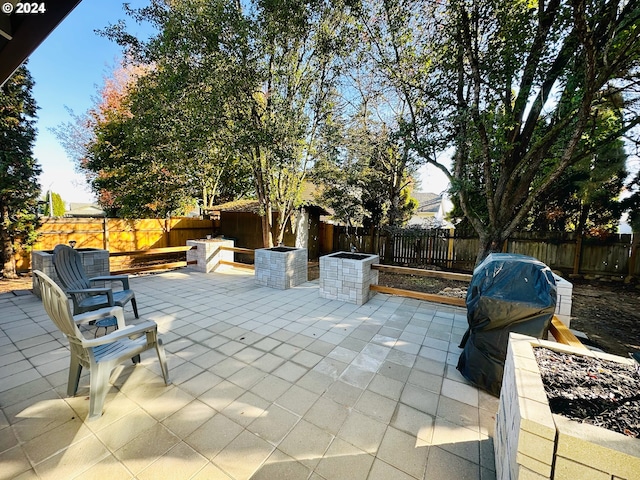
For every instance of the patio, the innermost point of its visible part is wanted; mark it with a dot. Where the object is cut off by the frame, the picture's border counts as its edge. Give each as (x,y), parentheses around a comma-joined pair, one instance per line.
(267,384)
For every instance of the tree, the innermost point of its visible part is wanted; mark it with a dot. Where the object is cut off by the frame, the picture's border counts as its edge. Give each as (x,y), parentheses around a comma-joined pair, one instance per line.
(515,89)
(365,174)
(19,188)
(53,198)
(259,72)
(531,82)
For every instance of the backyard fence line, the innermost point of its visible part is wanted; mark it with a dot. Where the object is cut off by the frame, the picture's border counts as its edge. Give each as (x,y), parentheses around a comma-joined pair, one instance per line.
(615,255)
(116,235)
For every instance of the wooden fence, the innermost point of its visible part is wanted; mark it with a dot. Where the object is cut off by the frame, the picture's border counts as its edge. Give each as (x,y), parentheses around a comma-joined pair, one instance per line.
(616,255)
(116,235)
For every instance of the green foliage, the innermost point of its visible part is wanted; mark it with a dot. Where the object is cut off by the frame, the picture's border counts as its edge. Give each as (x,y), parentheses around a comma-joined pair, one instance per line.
(19,188)
(516,90)
(59,208)
(365,176)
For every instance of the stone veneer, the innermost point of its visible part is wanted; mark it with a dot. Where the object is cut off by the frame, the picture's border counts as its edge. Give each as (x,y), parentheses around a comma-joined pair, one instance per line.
(564,291)
(532,443)
(208,254)
(94,260)
(348,279)
(281,267)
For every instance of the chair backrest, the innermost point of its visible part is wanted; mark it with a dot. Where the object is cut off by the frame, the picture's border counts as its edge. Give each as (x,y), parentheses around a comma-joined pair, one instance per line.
(56,305)
(68,265)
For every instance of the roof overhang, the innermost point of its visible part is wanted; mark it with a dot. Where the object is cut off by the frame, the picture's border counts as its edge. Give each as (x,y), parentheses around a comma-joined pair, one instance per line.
(21,33)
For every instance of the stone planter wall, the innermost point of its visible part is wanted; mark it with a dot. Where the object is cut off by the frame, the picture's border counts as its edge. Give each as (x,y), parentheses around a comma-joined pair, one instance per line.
(281,267)
(532,443)
(208,254)
(563,303)
(348,279)
(94,260)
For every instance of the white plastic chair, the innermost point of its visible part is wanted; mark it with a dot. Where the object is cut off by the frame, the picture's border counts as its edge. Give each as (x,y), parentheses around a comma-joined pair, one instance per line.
(101,355)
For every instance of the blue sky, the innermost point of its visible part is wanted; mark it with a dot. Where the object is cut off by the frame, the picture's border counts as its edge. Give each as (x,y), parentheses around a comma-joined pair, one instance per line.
(69,68)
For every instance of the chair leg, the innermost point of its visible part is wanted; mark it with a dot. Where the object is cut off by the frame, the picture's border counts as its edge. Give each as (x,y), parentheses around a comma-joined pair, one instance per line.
(134,304)
(162,358)
(75,370)
(98,389)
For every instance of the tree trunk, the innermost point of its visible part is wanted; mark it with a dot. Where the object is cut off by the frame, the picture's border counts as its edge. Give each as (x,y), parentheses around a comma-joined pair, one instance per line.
(489,243)
(8,259)
(267,224)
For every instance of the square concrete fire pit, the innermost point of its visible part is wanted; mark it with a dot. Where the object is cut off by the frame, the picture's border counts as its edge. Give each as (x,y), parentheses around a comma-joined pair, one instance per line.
(281,267)
(347,276)
(533,443)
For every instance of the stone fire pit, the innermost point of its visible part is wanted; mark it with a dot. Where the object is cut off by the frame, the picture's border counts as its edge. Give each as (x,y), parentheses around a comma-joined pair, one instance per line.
(533,443)
(281,267)
(347,276)
(94,260)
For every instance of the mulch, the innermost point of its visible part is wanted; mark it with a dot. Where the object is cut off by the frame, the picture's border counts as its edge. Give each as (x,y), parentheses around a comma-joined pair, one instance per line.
(591,390)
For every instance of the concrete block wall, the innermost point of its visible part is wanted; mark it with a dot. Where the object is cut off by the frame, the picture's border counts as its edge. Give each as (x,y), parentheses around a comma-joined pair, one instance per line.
(281,270)
(94,261)
(347,280)
(563,304)
(208,254)
(532,443)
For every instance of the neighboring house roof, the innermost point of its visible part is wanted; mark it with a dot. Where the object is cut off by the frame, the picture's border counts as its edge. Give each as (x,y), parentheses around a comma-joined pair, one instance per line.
(427,201)
(248,206)
(84,210)
(253,206)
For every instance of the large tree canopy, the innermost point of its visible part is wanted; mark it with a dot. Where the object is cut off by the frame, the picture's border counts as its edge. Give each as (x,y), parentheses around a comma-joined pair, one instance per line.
(243,81)
(516,89)
(19,188)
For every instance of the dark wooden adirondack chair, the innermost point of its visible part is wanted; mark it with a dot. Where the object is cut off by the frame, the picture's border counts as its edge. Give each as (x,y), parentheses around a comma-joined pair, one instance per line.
(85,297)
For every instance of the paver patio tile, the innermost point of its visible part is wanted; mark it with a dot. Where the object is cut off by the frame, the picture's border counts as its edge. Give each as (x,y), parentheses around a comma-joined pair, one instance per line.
(383,471)
(213,435)
(443,464)
(74,460)
(297,399)
(463,392)
(342,457)
(458,440)
(376,406)
(420,399)
(306,443)
(186,420)
(274,423)
(267,384)
(245,409)
(414,422)
(327,414)
(399,450)
(282,467)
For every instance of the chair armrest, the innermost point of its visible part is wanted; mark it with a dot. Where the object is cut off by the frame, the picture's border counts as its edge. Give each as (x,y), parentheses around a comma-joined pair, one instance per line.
(124,279)
(94,291)
(128,331)
(96,315)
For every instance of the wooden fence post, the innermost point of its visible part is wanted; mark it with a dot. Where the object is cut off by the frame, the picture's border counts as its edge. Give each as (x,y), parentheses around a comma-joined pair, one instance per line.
(635,244)
(578,254)
(105,233)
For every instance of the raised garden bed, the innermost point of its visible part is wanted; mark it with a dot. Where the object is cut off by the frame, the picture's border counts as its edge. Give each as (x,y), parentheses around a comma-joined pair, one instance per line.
(347,276)
(533,442)
(281,267)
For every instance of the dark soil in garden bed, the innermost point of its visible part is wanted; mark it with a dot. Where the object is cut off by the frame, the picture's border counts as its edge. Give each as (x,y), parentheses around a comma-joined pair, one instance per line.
(590,390)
